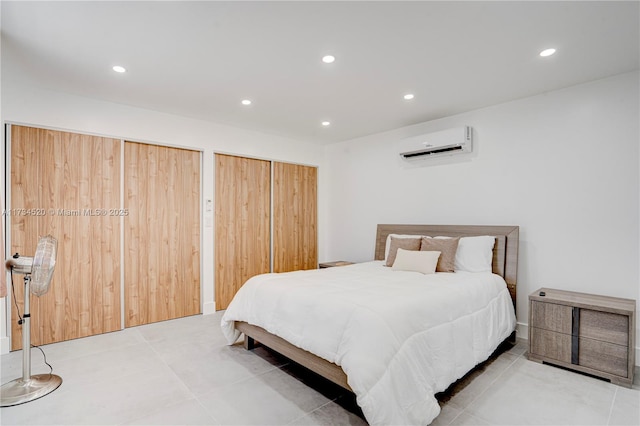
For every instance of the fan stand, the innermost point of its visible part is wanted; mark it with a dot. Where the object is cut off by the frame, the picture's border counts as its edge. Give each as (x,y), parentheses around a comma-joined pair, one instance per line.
(28,387)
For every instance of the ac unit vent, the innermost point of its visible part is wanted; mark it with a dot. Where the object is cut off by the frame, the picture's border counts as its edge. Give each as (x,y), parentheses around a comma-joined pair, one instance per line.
(446,142)
(432,152)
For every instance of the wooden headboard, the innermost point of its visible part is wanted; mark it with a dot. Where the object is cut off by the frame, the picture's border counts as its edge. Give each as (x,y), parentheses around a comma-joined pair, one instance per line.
(505,251)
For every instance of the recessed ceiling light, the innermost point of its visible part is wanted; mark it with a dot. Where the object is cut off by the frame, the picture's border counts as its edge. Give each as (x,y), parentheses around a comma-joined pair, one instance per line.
(408,96)
(328,59)
(547,52)
(326,123)
(118,68)
(246,102)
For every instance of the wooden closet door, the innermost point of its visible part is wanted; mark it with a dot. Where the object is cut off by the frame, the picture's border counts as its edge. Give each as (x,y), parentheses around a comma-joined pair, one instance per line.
(162,233)
(294,217)
(61,183)
(242,223)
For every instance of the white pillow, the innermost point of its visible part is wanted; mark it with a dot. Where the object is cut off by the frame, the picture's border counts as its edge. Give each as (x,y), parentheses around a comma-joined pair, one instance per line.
(417,261)
(388,243)
(475,254)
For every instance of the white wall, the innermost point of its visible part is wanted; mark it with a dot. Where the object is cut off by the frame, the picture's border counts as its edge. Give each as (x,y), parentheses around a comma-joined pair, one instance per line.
(25,104)
(562,165)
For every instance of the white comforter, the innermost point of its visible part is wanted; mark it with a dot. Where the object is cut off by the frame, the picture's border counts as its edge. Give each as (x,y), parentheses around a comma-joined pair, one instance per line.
(399,336)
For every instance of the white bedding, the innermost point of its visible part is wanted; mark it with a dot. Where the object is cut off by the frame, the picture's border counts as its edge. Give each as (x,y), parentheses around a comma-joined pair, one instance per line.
(399,336)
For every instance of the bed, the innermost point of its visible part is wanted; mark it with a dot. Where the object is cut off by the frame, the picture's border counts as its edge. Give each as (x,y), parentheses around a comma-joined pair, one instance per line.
(393,337)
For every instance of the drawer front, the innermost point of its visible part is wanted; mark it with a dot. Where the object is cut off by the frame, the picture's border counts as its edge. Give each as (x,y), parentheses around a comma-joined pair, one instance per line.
(551,316)
(603,356)
(550,344)
(604,326)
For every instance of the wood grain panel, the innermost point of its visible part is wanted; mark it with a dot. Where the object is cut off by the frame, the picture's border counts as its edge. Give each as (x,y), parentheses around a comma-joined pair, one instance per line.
(551,344)
(70,180)
(603,356)
(242,223)
(604,326)
(25,171)
(162,233)
(294,217)
(551,316)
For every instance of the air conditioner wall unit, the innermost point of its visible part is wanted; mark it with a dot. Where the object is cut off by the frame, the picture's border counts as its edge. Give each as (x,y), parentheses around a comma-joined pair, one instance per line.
(446,142)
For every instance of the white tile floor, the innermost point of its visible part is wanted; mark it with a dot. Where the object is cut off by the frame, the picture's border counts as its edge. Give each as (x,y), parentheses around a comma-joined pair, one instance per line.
(181,372)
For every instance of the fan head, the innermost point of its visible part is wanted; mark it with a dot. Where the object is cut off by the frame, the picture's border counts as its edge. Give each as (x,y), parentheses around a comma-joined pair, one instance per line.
(40,266)
(44,262)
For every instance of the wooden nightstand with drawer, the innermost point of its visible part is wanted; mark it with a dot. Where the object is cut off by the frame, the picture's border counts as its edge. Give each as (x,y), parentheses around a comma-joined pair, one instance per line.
(584,332)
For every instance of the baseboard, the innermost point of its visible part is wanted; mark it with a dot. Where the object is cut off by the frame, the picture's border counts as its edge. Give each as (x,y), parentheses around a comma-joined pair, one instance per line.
(209,308)
(522,331)
(5,345)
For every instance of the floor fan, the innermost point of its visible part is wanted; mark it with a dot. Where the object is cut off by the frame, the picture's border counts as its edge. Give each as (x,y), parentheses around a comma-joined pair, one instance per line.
(37,271)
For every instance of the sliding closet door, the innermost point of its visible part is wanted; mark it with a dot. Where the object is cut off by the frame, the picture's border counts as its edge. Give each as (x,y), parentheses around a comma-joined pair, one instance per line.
(61,183)
(294,217)
(162,233)
(242,223)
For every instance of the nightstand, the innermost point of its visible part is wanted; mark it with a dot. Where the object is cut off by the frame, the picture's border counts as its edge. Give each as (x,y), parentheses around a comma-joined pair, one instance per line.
(336,263)
(583,332)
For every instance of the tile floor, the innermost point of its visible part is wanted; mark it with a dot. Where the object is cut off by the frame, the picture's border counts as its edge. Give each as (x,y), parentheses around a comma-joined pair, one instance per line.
(181,372)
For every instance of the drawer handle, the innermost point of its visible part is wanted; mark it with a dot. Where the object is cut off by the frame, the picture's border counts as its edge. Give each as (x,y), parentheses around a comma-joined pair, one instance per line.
(575,336)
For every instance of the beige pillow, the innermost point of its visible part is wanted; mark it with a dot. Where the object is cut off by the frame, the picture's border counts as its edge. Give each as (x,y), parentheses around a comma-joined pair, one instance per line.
(412,244)
(387,243)
(416,261)
(447,247)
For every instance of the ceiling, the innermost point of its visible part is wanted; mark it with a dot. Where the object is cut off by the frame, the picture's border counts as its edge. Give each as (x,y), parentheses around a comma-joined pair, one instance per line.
(200,59)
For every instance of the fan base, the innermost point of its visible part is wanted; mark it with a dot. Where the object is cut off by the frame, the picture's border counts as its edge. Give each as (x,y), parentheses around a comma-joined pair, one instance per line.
(19,391)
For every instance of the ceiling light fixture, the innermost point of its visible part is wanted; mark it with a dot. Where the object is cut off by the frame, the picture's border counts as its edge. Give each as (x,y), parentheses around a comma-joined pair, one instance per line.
(328,59)
(246,102)
(326,123)
(547,52)
(408,96)
(118,68)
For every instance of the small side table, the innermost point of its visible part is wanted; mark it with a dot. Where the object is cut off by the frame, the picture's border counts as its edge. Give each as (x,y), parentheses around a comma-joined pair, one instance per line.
(336,263)
(585,332)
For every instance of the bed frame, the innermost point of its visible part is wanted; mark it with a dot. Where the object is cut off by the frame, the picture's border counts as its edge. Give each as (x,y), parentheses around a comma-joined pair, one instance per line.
(505,264)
